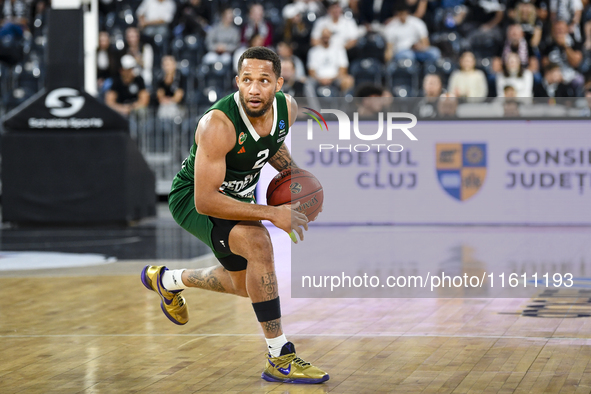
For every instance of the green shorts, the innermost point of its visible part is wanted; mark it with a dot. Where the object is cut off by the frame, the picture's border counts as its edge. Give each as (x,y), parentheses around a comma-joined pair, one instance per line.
(213,232)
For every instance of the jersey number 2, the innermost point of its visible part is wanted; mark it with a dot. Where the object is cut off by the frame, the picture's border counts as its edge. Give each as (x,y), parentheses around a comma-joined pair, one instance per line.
(264,154)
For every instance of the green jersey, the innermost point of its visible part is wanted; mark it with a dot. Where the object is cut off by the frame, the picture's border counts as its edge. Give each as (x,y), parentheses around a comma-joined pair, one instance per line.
(250,152)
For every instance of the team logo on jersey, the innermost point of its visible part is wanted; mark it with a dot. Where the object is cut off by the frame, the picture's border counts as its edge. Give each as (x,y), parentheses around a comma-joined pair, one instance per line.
(295,188)
(242,137)
(281,125)
(461,168)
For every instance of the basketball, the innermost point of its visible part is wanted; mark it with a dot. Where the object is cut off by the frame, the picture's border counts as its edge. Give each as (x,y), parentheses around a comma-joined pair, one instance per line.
(297,185)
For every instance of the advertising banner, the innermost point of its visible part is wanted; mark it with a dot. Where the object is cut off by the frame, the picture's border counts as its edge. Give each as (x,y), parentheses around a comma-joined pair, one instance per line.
(514,172)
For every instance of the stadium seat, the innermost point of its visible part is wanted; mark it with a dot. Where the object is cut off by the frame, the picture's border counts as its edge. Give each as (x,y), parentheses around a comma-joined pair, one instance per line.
(484,46)
(372,45)
(190,48)
(444,67)
(217,75)
(328,91)
(367,70)
(403,78)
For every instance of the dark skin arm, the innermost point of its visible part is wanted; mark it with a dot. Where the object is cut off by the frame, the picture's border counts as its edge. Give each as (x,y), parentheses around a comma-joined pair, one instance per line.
(215,137)
(282,159)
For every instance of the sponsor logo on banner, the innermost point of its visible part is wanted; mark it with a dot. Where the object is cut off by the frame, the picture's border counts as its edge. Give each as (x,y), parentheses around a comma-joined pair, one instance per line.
(64,103)
(461,168)
(56,99)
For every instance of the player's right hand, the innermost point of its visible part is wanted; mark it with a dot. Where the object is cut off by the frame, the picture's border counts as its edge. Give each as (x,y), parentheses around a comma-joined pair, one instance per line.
(288,219)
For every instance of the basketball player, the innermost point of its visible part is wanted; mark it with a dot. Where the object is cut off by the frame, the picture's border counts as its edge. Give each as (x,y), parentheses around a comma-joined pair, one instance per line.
(212,197)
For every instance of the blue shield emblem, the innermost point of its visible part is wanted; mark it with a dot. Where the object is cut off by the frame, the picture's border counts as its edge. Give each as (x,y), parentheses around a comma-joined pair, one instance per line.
(461,168)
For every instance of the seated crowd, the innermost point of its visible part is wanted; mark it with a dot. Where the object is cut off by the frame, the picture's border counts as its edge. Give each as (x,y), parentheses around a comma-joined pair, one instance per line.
(408,48)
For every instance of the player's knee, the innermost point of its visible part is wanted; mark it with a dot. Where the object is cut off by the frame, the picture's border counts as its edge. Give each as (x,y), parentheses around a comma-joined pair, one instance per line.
(254,243)
(261,241)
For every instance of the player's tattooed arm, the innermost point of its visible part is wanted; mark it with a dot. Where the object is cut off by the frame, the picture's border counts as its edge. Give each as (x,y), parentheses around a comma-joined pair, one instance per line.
(282,159)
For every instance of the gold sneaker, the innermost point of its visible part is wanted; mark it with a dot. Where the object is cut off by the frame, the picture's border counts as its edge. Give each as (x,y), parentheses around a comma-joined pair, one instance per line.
(289,368)
(173,303)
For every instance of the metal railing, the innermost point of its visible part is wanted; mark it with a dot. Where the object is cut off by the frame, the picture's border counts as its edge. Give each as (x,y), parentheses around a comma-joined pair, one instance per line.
(164,141)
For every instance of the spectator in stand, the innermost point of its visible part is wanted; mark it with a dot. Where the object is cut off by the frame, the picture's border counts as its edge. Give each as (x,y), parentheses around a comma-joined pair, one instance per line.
(447,106)
(432,90)
(107,60)
(286,53)
(155,16)
(515,75)
(532,26)
(509,92)
(569,11)
(142,53)
(291,84)
(374,99)
(302,7)
(170,93)
(510,104)
(588,96)
(553,85)
(297,31)
(222,40)
(255,41)
(468,81)
(344,30)
(328,63)
(516,43)
(257,26)
(128,92)
(375,12)
(417,8)
(192,17)
(565,51)
(483,21)
(14,15)
(408,38)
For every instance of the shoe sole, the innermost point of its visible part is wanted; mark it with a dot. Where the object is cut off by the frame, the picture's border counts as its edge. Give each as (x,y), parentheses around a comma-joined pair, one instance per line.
(147,285)
(270,378)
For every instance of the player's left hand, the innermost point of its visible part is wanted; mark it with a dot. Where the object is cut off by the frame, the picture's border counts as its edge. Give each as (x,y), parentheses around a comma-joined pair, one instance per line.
(298,220)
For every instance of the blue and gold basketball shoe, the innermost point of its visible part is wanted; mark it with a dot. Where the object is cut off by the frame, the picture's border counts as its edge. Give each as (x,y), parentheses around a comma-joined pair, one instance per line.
(289,368)
(173,303)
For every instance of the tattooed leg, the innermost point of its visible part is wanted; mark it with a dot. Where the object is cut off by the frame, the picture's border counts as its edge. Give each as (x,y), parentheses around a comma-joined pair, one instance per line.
(252,241)
(272,329)
(215,278)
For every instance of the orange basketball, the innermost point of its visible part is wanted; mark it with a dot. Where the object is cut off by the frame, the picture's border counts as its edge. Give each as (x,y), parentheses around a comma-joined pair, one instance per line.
(291,186)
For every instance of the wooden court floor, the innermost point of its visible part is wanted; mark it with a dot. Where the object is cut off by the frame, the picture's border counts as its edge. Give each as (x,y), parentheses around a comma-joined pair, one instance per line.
(97,330)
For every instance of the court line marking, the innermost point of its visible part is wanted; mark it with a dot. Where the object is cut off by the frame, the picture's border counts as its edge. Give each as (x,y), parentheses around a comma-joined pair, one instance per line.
(98,242)
(296,335)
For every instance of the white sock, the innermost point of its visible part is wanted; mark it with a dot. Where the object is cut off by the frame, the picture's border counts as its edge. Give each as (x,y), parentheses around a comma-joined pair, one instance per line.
(171,280)
(275,344)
